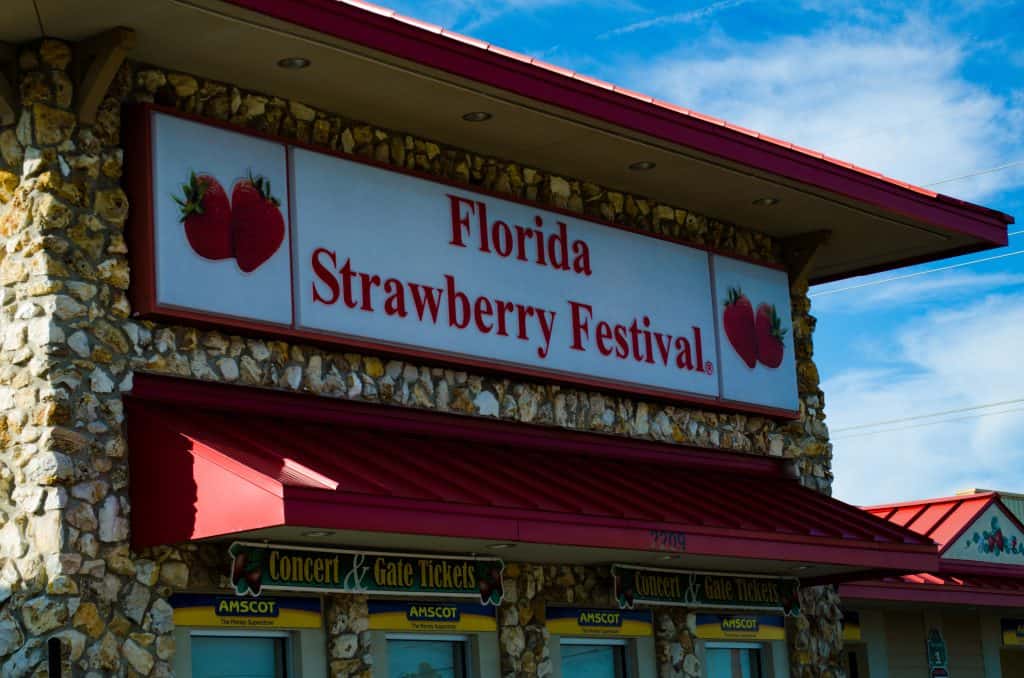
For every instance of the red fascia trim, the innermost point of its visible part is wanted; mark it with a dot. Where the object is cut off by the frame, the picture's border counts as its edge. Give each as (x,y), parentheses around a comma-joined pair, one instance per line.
(951,567)
(310,508)
(924,593)
(518,75)
(308,407)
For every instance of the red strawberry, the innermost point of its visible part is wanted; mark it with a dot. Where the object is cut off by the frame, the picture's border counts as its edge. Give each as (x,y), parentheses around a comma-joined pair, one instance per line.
(256,221)
(206,213)
(254,578)
(738,321)
(238,567)
(769,336)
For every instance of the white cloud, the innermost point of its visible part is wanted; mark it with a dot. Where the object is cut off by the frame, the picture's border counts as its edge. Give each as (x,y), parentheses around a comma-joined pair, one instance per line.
(925,289)
(686,17)
(469,15)
(950,358)
(892,99)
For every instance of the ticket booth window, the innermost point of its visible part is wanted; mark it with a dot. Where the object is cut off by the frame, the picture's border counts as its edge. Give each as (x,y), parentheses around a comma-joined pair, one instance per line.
(419,656)
(586,658)
(733,660)
(239,656)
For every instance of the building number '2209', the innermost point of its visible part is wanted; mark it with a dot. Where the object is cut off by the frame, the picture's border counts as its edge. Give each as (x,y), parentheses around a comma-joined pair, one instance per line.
(667,540)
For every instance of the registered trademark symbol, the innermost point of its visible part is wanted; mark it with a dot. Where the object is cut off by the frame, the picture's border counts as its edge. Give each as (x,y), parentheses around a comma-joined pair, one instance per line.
(709,368)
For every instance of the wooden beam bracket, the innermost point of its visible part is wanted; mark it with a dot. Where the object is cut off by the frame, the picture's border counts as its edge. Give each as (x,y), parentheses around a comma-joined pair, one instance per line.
(799,252)
(99,59)
(8,95)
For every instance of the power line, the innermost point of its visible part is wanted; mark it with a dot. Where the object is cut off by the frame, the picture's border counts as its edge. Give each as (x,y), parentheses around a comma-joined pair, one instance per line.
(919,273)
(930,415)
(930,423)
(990,170)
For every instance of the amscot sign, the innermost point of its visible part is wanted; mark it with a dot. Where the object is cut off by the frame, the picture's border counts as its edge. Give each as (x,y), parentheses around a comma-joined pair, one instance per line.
(577,621)
(257,567)
(256,233)
(200,609)
(387,615)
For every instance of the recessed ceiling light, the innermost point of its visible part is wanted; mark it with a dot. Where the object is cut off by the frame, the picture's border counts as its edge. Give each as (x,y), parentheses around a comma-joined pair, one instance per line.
(801,568)
(318,533)
(477,116)
(642,165)
(499,547)
(766,202)
(293,63)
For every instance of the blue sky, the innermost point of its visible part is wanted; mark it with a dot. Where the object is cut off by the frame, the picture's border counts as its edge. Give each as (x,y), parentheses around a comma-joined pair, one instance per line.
(923,91)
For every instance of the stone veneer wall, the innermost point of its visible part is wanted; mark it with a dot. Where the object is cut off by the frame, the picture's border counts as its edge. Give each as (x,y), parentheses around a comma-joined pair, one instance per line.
(69,349)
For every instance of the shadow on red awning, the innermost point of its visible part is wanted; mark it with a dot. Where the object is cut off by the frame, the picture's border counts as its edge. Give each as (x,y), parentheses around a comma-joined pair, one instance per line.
(210,460)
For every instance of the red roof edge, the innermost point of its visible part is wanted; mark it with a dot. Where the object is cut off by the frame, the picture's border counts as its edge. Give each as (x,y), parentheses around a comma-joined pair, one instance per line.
(877,508)
(954,567)
(387,32)
(949,592)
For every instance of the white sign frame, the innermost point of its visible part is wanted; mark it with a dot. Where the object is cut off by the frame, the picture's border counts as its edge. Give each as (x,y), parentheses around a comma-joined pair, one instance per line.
(157,164)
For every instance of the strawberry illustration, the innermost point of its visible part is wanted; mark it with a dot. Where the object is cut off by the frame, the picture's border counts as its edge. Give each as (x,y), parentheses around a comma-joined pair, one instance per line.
(207,216)
(738,321)
(769,336)
(256,222)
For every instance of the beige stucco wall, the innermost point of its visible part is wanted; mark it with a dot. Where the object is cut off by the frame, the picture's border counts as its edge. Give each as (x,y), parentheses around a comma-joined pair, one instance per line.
(894,640)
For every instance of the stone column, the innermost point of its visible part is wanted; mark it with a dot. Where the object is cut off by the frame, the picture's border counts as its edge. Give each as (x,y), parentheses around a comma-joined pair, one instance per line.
(65,565)
(348,636)
(816,636)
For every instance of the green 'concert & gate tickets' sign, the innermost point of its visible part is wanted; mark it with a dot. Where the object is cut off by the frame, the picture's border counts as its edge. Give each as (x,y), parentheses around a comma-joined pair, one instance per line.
(704,590)
(256,567)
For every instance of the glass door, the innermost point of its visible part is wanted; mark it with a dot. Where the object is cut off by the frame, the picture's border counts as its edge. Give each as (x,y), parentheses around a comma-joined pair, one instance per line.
(733,660)
(239,656)
(586,658)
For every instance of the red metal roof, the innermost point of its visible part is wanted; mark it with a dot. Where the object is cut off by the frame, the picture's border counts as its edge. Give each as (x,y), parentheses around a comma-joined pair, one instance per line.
(954,581)
(943,590)
(211,460)
(944,520)
(387,31)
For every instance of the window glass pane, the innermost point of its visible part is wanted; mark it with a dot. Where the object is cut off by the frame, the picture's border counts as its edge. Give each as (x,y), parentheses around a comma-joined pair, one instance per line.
(732,662)
(237,657)
(591,661)
(425,659)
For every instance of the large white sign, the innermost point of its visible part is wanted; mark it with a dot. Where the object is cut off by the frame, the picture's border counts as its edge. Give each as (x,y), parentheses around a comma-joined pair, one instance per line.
(256,230)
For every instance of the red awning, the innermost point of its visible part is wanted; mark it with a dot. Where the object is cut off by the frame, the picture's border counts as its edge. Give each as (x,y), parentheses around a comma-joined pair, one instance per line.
(939,589)
(210,460)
